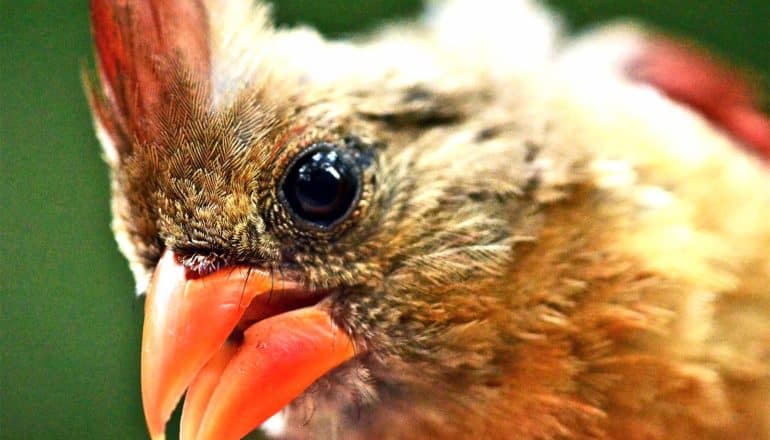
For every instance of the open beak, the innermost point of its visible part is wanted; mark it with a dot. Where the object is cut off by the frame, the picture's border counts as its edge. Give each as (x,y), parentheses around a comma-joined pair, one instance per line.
(242,342)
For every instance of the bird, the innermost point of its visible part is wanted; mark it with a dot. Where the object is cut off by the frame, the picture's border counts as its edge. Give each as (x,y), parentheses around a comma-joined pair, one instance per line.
(467,225)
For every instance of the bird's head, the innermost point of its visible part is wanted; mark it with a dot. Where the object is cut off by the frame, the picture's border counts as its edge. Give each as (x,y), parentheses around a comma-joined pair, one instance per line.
(306,231)
(382,231)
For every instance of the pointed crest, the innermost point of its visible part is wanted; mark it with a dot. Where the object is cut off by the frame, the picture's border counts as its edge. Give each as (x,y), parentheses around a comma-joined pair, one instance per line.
(137,42)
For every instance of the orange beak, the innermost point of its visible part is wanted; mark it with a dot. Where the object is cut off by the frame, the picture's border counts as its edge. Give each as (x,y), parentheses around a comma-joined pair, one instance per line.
(282,344)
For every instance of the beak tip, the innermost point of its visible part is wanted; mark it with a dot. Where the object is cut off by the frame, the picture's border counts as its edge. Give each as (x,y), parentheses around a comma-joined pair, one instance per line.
(158,436)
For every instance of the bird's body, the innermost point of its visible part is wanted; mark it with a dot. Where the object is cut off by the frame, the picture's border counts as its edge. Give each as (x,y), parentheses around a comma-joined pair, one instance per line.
(541,247)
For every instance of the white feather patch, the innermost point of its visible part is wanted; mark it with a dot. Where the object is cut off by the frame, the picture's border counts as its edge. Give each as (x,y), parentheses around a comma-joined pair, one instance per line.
(515,36)
(275,425)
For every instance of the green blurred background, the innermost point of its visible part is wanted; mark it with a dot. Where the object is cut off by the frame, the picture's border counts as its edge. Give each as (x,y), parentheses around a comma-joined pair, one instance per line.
(70,322)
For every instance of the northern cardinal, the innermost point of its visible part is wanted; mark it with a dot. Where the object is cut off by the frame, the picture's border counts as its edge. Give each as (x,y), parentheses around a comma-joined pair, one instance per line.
(466,226)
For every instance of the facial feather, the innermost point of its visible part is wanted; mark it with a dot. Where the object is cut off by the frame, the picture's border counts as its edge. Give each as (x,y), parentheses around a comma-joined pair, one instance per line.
(533,253)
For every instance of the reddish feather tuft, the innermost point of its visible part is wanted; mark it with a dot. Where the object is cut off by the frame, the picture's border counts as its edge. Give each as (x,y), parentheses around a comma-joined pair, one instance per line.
(720,94)
(135,40)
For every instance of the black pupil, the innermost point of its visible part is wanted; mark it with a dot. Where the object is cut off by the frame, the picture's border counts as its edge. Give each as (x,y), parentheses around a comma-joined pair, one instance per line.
(321,186)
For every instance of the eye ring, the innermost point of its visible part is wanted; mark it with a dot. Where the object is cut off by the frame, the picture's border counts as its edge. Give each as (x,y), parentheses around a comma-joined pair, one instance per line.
(321,186)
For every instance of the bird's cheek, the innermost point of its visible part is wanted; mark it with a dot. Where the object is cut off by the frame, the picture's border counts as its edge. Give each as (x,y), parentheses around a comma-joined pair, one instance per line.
(285,343)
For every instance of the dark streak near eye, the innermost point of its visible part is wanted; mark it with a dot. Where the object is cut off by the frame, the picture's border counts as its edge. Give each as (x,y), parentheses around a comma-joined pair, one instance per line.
(532,183)
(486,134)
(425,119)
(532,151)
(417,93)
(365,155)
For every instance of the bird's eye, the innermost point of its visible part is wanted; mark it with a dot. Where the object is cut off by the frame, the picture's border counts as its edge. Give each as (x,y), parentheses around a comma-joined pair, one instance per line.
(322,185)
